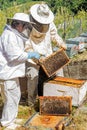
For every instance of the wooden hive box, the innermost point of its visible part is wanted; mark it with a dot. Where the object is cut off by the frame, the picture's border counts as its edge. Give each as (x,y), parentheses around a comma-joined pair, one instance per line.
(45,122)
(54,62)
(77,68)
(61,86)
(54,105)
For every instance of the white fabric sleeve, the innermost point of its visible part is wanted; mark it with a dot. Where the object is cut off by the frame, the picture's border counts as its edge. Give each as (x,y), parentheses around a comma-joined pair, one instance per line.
(28,46)
(12,49)
(54,35)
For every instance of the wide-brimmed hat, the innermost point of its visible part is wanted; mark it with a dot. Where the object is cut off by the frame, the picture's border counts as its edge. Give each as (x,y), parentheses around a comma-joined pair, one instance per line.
(21,17)
(42,13)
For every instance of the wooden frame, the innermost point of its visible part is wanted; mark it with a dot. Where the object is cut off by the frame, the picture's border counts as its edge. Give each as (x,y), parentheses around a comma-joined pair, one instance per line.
(55,105)
(54,62)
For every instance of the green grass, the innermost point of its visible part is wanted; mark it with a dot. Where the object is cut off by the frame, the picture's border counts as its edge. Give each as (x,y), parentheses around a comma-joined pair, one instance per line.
(72,30)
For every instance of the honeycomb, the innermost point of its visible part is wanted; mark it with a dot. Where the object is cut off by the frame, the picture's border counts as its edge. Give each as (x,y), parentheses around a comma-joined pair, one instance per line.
(54,105)
(54,62)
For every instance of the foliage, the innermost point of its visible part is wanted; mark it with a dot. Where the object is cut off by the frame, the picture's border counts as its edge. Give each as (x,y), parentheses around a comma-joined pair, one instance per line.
(72,5)
(10,11)
(4,4)
(68,25)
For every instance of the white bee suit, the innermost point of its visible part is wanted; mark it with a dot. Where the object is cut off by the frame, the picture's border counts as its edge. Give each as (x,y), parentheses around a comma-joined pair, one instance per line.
(41,43)
(13,57)
(12,66)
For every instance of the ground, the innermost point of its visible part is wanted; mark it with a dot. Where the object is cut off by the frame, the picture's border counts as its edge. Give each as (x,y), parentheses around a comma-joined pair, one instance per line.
(77,118)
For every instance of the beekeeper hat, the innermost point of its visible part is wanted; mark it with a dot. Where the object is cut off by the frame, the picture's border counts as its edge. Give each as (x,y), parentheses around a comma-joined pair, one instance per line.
(21,17)
(41,13)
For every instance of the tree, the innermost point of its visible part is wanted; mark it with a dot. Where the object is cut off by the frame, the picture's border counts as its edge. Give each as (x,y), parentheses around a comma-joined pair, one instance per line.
(72,5)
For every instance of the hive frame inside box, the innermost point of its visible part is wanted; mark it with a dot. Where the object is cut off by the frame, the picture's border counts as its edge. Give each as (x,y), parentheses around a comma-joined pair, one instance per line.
(54,62)
(61,86)
(54,105)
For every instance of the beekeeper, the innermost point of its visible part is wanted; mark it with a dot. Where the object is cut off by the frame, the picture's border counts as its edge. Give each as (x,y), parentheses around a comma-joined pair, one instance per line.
(12,65)
(43,33)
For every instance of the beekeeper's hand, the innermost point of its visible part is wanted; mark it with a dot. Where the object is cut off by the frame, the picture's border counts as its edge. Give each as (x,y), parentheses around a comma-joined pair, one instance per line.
(64,46)
(33,55)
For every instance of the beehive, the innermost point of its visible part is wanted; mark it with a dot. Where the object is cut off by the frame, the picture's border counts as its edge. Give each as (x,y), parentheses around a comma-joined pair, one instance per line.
(54,62)
(77,68)
(77,41)
(54,105)
(61,86)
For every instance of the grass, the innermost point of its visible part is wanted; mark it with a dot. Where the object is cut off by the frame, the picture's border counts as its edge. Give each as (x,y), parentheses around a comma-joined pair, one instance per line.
(80,57)
(78,116)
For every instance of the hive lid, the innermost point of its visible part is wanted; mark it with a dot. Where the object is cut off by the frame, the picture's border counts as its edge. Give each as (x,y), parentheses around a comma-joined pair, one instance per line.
(83,34)
(67,81)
